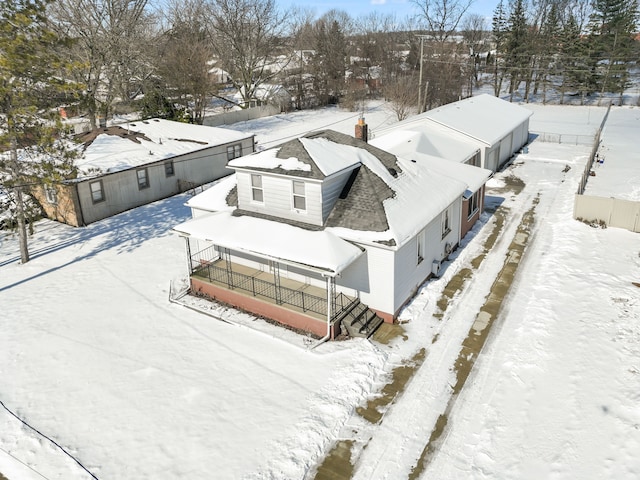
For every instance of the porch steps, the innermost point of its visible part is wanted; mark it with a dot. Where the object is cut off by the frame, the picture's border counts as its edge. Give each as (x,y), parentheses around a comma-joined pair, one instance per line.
(360,321)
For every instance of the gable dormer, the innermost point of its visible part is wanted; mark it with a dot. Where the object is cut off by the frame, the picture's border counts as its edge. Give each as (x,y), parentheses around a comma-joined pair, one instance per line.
(299,180)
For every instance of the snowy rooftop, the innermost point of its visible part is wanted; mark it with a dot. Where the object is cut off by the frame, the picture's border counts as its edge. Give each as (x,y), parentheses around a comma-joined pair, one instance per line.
(282,242)
(483,117)
(420,136)
(141,142)
(417,191)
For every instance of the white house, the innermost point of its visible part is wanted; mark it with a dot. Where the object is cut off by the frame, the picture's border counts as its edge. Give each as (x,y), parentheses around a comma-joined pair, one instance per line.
(497,127)
(421,139)
(314,231)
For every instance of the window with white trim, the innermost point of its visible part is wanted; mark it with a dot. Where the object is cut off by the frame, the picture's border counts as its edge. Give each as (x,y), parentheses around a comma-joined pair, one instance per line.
(299,198)
(256,188)
(143,178)
(446,223)
(169,171)
(97,192)
(474,202)
(51,194)
(234,151)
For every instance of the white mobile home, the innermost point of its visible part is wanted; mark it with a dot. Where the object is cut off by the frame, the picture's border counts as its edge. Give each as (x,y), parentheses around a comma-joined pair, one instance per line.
(123,167)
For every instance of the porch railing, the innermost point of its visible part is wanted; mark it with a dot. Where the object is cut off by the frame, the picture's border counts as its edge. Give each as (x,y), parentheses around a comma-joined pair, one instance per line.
(287,296)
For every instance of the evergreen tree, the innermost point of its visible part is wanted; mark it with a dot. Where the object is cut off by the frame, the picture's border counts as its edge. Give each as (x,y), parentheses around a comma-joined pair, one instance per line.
(517,46)
(329,61)
(612,27)
(31,86)
(576,63)
(549,48)
(499,29)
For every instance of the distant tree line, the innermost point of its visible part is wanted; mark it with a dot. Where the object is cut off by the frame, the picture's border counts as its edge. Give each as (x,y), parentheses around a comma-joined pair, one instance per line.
(569,46)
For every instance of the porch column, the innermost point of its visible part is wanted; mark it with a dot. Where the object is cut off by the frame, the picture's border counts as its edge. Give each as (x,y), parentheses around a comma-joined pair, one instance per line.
(331,297)
(227,264)
(276,282)
(189,262)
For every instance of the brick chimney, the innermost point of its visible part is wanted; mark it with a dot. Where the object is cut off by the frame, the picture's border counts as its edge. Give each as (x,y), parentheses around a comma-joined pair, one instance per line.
(362,130)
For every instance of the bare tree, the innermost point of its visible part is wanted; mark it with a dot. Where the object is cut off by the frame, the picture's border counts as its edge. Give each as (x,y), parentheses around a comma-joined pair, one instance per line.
(442,17)
(401,95)
(106,43)
(248,36)
(186,55)
(474,33)
(444,61)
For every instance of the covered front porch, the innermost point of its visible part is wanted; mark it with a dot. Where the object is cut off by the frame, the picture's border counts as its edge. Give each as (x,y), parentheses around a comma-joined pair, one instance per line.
(262,289)
(277,271)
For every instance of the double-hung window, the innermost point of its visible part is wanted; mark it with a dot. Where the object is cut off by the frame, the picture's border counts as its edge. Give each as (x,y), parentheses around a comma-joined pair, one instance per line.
(256,188)
(169,171)
(299,198)
(51,194)
(234,151)
(143,178)
(97,192)
(474,201)
(446,223)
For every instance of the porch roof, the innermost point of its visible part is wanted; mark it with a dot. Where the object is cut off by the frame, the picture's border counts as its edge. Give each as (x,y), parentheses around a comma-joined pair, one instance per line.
(318,250)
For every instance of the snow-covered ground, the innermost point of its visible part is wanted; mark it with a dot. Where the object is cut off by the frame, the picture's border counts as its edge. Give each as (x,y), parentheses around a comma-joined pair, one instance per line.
(93,354)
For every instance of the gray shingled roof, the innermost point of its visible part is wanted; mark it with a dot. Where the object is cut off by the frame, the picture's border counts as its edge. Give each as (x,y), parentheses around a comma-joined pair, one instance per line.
(360,206)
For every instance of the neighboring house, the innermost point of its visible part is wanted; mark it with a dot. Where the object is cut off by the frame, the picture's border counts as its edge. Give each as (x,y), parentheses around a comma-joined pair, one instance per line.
(497,127)
(325,233)
(123,167)
(266,93)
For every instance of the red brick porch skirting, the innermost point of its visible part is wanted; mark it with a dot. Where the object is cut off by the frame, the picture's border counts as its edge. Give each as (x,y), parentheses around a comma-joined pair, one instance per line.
(263,308)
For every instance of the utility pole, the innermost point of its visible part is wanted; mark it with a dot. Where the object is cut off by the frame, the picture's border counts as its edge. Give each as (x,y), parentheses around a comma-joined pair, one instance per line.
(421,37)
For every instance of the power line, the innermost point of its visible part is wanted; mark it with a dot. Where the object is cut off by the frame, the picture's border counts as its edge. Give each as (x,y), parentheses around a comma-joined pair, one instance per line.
(50,439)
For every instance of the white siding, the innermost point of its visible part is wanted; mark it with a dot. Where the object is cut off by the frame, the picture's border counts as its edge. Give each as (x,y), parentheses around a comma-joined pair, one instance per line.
(491,158)
(410,274)
(121,190)
(278,197)
(372,275)
(505,148)
(331,189)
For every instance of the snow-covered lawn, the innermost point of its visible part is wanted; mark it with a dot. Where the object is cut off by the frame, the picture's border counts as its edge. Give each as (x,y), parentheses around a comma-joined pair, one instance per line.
(94,355)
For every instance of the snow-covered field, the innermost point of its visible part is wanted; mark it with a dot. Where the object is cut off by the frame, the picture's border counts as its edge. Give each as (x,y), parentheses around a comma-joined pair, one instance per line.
(93,355)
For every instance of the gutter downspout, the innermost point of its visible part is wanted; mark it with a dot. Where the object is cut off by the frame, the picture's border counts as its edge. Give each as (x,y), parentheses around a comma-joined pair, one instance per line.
(329,299)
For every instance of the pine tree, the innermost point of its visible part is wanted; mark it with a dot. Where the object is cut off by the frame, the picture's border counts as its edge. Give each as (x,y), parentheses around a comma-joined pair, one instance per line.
(576,62)
(499,28)
(31,86)
(517,46)
(612,26)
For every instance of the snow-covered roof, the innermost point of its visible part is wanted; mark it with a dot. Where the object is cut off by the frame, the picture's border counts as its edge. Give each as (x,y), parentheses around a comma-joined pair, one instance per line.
(214,199)
(280,241)
(407,194)
(420,194)
(483,117)
(146,141)
(268,159)
(416,135)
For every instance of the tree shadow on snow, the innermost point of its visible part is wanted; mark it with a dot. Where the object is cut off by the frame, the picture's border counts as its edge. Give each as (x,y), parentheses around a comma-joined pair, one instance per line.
(122,233)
